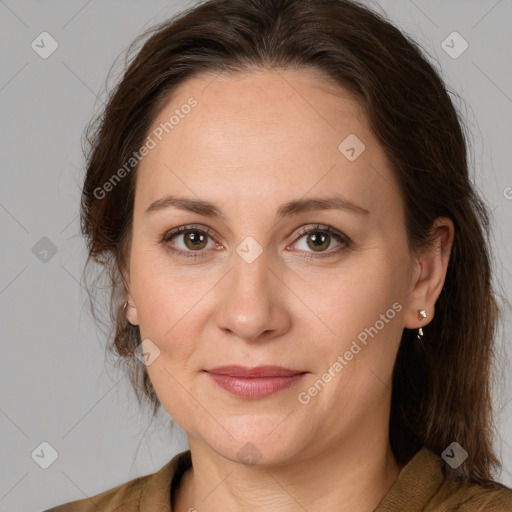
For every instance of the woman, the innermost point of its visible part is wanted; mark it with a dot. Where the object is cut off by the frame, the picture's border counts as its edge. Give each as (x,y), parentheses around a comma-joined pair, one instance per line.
(279,192)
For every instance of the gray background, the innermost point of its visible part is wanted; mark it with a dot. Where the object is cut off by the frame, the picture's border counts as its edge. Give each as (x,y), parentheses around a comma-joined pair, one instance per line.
(55,385)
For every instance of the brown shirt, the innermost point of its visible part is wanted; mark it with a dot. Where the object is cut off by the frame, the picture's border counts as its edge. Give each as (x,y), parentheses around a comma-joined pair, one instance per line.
(421,486)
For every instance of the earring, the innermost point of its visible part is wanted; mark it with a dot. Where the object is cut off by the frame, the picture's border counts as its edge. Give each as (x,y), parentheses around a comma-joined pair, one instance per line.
(422,314)
(126,304)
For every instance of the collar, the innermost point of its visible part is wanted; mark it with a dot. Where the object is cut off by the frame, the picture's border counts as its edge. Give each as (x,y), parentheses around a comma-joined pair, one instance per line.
(156,494)
(418,481)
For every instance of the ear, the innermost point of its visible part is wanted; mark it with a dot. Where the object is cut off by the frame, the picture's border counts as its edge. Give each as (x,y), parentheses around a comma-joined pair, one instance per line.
(429,274)
(131,309)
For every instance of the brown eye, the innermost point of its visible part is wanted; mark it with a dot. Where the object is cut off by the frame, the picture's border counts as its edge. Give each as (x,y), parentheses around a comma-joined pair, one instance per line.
(195,240)
(318,240)
(313,242)
(188,241)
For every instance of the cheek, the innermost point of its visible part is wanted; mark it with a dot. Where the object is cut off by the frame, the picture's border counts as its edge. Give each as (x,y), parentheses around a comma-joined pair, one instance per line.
(361,311)
(163,294)
(355,359)
(356,296)
(174,305)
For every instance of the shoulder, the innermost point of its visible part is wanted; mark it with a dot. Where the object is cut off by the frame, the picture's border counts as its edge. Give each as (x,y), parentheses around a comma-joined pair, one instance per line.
(150,492)
(124,497)
(423,486)
(471,498)
(451,496)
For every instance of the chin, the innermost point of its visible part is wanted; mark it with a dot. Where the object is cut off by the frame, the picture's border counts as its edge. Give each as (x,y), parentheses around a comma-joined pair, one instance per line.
(257,447)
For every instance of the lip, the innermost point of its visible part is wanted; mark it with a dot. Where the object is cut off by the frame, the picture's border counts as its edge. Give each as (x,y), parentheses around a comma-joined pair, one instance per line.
(254,383)
(257,371)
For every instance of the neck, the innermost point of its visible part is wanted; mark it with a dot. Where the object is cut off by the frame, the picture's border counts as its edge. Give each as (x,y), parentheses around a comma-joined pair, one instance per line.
(349,476)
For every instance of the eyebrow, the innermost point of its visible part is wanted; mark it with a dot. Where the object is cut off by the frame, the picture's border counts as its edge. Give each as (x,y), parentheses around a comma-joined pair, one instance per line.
(293,207)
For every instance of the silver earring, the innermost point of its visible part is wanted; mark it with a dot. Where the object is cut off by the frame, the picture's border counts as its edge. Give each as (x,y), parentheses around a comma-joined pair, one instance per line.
(422,314)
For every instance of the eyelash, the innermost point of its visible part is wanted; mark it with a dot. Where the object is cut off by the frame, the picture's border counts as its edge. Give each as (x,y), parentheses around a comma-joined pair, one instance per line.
(346,242)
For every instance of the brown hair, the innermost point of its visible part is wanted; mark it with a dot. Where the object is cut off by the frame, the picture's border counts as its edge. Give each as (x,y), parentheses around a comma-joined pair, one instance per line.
(441,386)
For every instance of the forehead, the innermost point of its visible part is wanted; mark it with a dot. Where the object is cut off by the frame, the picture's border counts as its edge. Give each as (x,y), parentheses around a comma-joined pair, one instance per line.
(263,133)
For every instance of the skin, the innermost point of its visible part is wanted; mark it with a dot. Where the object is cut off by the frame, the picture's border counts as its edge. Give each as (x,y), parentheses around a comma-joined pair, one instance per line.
(255,141)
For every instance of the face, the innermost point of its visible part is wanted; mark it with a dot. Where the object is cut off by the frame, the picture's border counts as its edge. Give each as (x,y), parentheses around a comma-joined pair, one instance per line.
(255,279)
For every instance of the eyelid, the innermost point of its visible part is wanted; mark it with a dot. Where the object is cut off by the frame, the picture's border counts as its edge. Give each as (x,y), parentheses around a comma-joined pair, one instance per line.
(189,227)
(318,227)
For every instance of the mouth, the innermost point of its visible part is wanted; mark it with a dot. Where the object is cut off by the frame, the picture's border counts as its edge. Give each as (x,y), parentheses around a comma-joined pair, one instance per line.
(254,383)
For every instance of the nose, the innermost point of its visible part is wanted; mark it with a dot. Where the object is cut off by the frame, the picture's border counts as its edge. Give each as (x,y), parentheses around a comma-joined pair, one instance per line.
(252,301)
